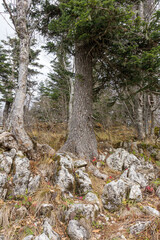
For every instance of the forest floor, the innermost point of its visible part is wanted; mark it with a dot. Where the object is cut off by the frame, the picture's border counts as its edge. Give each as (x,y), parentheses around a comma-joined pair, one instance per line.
(117,225)
(131,211)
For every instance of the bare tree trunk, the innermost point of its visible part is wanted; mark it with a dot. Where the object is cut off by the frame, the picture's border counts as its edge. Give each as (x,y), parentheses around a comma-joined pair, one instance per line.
(71,102)
(15,122)
(6,113)
(81,138)
(139,116)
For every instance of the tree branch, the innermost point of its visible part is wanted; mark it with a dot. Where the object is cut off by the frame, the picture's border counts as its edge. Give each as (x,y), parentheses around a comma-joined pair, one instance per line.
(10,13)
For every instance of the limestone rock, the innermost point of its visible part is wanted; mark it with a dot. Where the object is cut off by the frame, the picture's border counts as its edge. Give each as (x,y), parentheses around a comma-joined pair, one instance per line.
(97,173)
(65,161)
(80,164)
(5,163)
(65,179)
(88,211)
(34,183)
(135,193)
(30,237)
(102,157)
(139,227)
(133,175)
(158,192)
(76,231)
(7,140)
(43,236)
(83,182)
(52,235)
(11,153)
(63,169)
(91,197)
(151,211)
(113,194)
(121,159)
(22,174)
(3,181)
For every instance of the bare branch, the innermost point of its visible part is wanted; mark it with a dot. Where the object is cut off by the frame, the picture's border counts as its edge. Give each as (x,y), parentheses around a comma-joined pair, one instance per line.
(7,21)
(10,13)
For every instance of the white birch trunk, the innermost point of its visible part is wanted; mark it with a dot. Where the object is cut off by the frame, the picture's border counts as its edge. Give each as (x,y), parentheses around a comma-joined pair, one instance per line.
(15,122)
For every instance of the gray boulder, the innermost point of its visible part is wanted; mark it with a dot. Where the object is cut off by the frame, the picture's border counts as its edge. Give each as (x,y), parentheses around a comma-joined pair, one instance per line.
(134,176)
(88,211)
(63,170)
(49,232)
(80,164)
(121,159)
(3,181)
(43,236)
(65,179)
(11,153)
(151,211)
(76,231)
(83,182)
(158,192)
(22,174)
(139,227)
(65,161)
(113,194)
(91,197)
(34,183)
(135,193)
(30,237)
(97,173)
(5,163)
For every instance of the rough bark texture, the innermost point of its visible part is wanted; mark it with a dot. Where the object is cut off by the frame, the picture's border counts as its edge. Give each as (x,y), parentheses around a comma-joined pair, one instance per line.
(81,138)
(71,102)
(139,116)
(15,122)
(6,113)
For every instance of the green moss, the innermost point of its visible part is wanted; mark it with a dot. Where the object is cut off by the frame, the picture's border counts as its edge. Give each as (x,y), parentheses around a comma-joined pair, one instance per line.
(158,163)
(157,131)
(56,158)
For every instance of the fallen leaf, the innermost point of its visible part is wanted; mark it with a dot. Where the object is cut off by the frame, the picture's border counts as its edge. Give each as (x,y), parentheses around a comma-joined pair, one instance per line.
(96,230)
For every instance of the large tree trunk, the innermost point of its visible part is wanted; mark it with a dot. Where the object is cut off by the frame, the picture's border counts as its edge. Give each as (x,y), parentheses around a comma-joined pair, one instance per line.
(15,122)
(81,138)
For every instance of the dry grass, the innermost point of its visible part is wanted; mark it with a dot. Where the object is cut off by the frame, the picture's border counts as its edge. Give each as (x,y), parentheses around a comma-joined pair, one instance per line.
(55,135)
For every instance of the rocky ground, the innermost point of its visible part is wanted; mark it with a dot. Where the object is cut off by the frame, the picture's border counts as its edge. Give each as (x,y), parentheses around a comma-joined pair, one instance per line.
(116,196)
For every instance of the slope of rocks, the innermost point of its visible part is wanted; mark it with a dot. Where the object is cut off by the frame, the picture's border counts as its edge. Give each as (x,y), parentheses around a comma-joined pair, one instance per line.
(62,197)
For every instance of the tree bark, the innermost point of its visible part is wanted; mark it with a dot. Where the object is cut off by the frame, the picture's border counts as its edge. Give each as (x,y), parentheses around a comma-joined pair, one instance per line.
(81,138)
(15,122)
(71,97)
(6,113)
(139,116)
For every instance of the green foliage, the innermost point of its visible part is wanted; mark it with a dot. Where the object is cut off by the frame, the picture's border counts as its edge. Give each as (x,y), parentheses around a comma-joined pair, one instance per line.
(9,67)
(6,84)
(156,182)
(29,231)
(89,21)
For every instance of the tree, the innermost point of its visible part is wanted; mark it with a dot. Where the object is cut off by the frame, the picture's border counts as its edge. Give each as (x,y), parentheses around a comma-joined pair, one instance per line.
(88,27)
(58,84)
(12,50)
(15,123)
(5,81)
